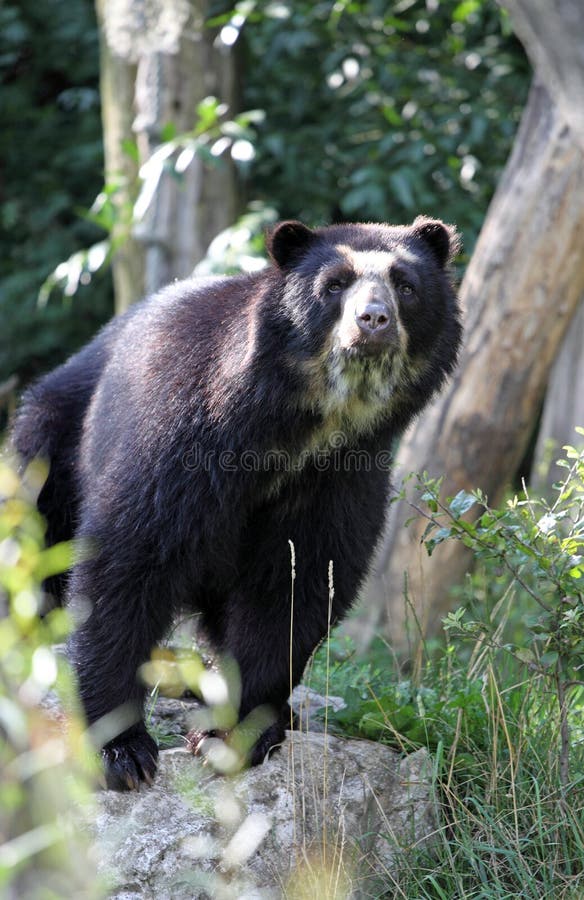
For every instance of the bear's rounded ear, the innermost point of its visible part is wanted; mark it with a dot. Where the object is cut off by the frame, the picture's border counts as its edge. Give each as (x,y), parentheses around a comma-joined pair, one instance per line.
(443,240)
(287,242)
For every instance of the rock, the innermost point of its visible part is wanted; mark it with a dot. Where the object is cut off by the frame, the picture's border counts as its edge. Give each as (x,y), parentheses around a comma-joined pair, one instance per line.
(322,811)
(325,816)
(172,718)
(306,704)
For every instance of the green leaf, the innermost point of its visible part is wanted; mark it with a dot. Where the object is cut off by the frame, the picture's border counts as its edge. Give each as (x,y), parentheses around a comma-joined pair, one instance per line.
(130,148)
(465,9)
(168,132)
(461,503)
(391,114)
(402,188)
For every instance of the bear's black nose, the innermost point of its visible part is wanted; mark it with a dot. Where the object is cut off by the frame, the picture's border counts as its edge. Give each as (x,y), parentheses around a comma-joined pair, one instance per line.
(373,316)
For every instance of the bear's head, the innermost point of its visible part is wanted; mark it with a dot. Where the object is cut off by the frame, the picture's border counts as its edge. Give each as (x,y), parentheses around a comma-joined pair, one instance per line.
(371,309)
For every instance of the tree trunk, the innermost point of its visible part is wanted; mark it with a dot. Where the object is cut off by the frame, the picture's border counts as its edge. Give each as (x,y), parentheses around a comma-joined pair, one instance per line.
(159,61)
(520,291)
(187,212)
(117,80)
(551,32)
(564,405)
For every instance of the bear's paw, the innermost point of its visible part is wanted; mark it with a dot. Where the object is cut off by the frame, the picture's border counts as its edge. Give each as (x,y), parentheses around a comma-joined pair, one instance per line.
(129,760)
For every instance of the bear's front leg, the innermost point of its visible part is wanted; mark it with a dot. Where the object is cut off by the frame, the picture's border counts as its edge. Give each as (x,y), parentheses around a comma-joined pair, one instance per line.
(272,737)
(257,637)
(128,614)
(279,612)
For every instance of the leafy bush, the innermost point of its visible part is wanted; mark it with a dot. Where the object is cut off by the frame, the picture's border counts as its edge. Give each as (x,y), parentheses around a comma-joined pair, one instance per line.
(52,161)
(541,546)
(45,771)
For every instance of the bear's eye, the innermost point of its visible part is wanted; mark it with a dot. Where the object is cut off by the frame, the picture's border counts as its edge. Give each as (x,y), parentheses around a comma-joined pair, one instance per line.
(335,286)
(406,289)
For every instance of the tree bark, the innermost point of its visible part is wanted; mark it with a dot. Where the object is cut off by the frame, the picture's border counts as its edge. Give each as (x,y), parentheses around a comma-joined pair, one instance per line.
(564,406)
(551,32)
(187,212)
(520,291)
(117,80)
(159,61)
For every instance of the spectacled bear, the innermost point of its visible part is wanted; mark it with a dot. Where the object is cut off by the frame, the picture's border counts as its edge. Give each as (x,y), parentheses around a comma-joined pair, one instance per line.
(215,422)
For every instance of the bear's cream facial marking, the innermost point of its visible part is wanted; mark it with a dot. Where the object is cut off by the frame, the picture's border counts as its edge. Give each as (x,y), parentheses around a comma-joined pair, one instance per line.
(359,375)
(376,275)
(368,323)
(376,262)
(362,365)
(390,268)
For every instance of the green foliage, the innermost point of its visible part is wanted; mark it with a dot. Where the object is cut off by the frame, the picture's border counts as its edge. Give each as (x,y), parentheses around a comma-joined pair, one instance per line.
(369,111)
(380,111)
(403,711)
(45,771)
(541,545)
(506,826)
(212,138)
(240,248)
(500,705)
(52,159)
